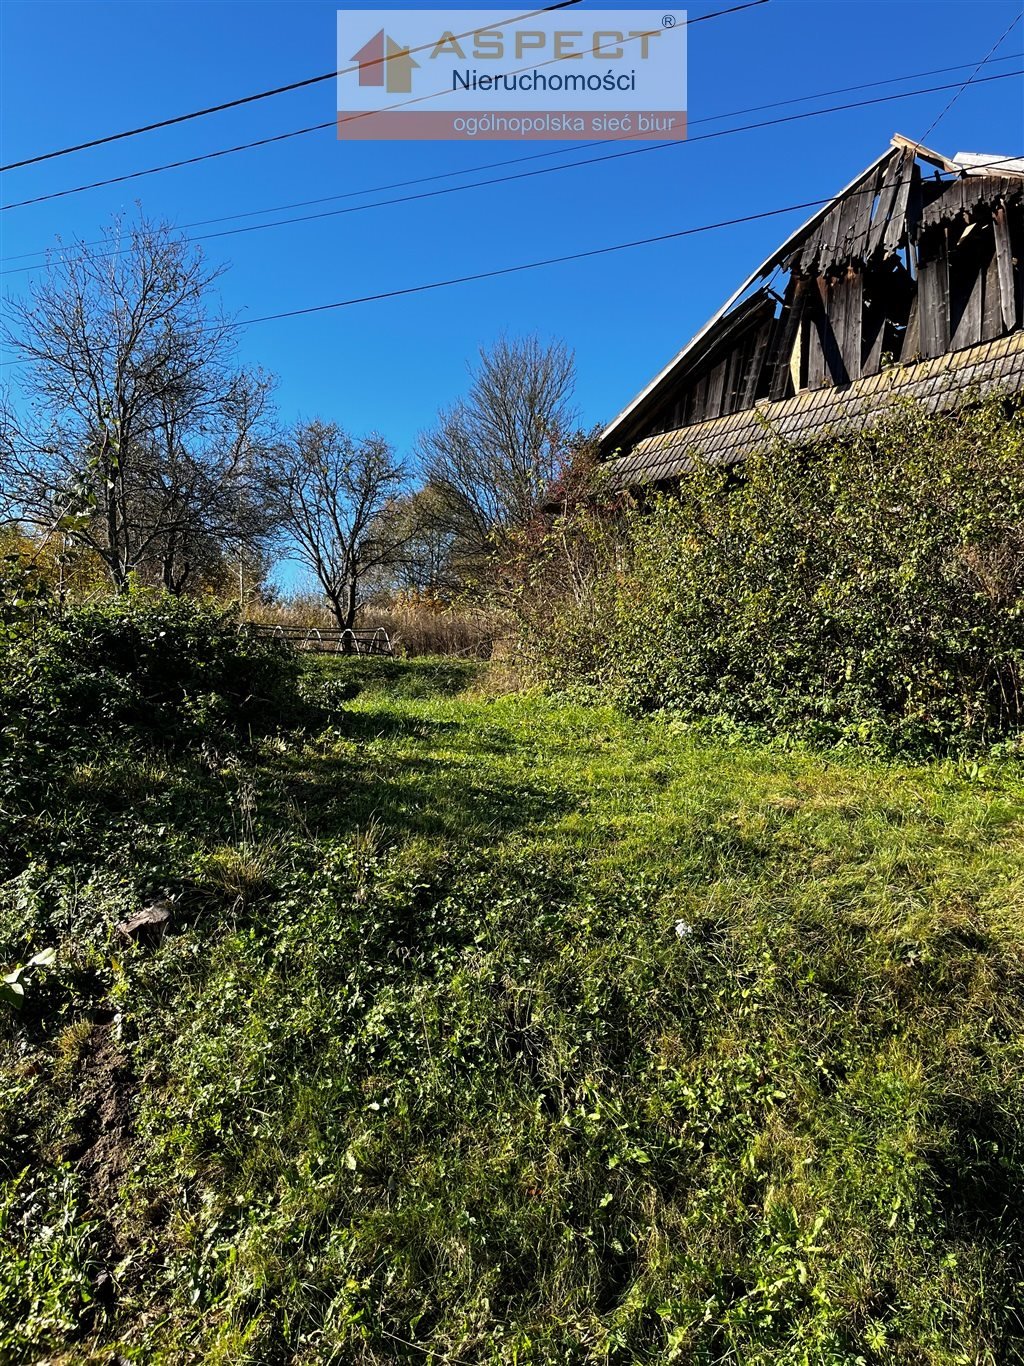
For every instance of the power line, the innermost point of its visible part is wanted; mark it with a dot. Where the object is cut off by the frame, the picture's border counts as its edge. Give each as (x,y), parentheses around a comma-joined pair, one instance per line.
(299,85)
(560,260)
(260,95)
(168,123)
(588,161)
(867,85)
(528,265)
(557,260)
(536,156)
(548,170)
(170,165)
(970,79)
(301,132)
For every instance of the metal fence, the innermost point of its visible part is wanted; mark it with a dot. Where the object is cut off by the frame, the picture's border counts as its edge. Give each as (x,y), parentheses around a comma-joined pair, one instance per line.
(328,639)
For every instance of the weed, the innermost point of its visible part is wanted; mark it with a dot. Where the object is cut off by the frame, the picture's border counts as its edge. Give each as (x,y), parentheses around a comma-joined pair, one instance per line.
(511,1029)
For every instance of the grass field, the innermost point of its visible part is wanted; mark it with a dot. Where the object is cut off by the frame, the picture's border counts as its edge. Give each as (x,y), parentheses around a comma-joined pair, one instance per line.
(493,1029)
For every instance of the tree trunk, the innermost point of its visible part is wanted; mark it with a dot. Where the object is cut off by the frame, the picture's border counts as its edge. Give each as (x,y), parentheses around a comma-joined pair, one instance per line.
(339,613)
(350,603)
(343,609)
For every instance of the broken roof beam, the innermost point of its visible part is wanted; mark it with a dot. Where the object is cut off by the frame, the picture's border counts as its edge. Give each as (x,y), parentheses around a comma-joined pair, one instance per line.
(963,163)
(923,153)
(762,272)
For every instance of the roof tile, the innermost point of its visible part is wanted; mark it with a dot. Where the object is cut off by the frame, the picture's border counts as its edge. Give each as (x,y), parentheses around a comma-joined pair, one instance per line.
(811,413)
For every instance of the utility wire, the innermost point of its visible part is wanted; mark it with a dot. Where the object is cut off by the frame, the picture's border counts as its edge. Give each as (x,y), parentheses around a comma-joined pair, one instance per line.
(545,170)
(310,80)
(260,95)
(867,85)
(311,128)
(536,156)
(587,161)
(562,260)
(558,260)
(970,79)
(280,137)
(170,165)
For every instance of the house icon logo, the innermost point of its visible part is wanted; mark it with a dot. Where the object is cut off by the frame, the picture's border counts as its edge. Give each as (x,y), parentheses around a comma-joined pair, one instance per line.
(383,62)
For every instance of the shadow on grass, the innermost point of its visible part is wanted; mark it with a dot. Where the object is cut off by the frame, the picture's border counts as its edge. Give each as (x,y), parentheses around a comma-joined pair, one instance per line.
(455,793)
(449,780)
(406,679)
(420,776)
(367,726)
(978,1180)
(413,800)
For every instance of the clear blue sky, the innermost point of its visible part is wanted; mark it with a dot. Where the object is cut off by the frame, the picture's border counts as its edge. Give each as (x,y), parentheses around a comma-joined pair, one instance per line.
(74,71)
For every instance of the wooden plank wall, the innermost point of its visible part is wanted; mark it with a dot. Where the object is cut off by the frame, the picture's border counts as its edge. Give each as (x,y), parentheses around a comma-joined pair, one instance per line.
(728,377)
(899,265)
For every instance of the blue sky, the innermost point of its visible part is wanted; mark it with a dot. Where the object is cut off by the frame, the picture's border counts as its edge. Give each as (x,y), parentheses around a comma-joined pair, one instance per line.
(74,71)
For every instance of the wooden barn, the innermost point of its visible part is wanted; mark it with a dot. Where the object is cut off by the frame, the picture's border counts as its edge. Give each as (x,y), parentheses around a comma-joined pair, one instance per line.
(909,282)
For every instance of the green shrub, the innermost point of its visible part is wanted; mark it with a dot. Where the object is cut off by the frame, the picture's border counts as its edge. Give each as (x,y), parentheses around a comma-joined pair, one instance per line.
(150,662)
(147,671)
(869,588)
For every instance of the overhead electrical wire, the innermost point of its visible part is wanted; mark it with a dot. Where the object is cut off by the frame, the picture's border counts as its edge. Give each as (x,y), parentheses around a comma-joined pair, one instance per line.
(308,81)
(867,85)
(280,137)
(298,133)
(169,166)
(545,170)
(565,259)
(536,156)
(499,272)
(561,260)
(261,95)
(971,78)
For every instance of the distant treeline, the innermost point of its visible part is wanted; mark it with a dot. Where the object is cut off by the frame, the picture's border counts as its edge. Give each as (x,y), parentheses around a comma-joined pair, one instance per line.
(135,449)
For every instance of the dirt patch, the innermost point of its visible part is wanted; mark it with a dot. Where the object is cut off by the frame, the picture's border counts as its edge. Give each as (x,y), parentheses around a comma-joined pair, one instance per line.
(105,1127)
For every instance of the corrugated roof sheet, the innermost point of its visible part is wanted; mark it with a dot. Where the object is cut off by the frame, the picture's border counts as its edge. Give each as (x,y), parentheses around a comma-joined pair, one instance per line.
(936,384)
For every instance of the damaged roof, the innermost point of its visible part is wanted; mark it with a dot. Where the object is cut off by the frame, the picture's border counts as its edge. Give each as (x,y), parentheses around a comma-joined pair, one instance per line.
(936,384)
(886,206)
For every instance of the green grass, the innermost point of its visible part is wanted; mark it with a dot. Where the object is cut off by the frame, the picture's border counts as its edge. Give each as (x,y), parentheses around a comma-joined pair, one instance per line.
(502,1029)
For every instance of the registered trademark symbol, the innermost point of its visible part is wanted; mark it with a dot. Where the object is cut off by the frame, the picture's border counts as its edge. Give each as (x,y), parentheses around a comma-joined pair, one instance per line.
(669,21)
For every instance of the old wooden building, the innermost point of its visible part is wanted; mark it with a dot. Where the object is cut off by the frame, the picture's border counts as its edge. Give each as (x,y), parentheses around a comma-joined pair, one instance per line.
(909,282)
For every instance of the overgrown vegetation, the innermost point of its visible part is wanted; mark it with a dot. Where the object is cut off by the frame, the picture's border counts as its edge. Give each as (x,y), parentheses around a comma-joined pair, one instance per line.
(869,588)
(135,450)
(417,623)
(141,676)
(490,1029)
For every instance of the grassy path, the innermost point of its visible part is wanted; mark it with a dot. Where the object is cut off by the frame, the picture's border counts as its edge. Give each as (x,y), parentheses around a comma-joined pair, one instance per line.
(509,1030)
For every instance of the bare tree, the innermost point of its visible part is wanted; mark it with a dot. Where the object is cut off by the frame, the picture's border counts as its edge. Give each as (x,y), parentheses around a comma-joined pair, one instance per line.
(334,496)
(207,484)
(492,455)
(427,552)
(135,435)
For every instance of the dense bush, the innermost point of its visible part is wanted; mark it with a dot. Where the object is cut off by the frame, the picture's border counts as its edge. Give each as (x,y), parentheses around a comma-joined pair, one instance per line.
(149,669)
(868,588)
(148,661)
